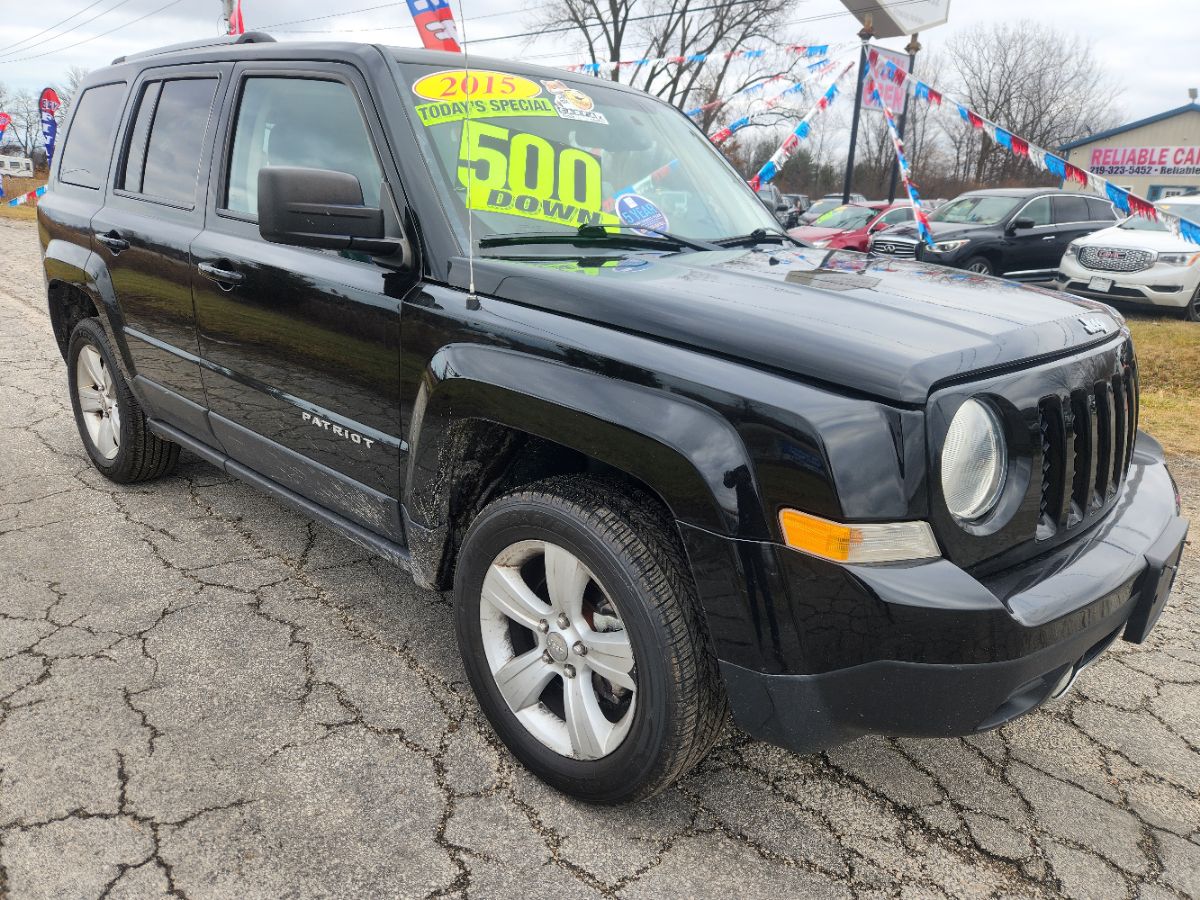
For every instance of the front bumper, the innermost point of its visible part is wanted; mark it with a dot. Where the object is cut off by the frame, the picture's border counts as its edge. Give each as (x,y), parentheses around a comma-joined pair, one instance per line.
(928,649)
(1167,286)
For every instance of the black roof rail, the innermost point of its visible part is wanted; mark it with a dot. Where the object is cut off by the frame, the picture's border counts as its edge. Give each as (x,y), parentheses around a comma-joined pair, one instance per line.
(250,37)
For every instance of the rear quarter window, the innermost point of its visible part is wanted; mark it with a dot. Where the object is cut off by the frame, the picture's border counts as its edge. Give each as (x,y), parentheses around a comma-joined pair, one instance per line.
(89,139)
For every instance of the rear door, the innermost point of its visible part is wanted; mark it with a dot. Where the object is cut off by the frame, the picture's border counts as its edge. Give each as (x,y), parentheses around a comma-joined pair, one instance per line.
(301,346)
(153,210)
(1073,218)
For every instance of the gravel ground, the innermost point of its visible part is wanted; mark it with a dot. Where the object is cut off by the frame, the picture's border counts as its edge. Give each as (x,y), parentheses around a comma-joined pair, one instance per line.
(203,694)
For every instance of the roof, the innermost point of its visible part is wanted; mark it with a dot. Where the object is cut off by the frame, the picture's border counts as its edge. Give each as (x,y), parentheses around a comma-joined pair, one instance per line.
(1012,192)
(1121,129)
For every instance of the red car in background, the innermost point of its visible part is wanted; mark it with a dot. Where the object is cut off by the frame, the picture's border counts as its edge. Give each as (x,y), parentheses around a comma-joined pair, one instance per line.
(848,227)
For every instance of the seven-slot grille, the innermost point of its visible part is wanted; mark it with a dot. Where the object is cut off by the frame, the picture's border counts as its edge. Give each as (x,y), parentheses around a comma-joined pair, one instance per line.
(889,246)
(1115,259)
(1087,441)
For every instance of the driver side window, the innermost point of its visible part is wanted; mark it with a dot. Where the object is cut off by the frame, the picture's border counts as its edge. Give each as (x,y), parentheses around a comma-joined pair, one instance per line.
(1037,210)
(298,122)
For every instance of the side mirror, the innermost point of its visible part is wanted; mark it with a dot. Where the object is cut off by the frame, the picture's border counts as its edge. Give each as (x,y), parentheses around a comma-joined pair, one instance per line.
(878,226)
(319,208)
(1022,223)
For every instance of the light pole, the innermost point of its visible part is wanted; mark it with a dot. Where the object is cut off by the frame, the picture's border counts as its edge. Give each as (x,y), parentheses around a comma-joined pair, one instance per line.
(226,15)
(912,49)
(864,35)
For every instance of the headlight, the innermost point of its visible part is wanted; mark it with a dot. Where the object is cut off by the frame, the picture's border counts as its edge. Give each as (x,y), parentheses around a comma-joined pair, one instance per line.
(974,462)
(1072,249)
(950,246)
(1178,259)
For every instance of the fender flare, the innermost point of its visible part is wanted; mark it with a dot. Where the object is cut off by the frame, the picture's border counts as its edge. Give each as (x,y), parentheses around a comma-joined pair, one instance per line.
(688,454)
(70,265)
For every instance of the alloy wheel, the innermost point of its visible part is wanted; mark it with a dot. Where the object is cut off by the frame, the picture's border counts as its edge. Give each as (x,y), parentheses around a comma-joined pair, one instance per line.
(98,402)
(557,649)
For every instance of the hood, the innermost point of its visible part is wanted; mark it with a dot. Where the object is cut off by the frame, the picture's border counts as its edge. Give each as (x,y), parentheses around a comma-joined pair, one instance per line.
(943,231)
(1130,239)
(813,233)
(885,327)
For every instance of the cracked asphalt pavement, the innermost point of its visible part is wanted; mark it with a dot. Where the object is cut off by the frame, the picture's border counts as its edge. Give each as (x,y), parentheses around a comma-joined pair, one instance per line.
(204,694)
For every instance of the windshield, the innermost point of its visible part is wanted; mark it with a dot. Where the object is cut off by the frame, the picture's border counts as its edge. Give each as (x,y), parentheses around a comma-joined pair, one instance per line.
(847,218)
(975,210)
(1190,211)
(549,155)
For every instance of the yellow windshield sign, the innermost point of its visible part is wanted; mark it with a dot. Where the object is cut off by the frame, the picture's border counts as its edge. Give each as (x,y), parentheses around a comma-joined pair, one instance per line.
(522,174)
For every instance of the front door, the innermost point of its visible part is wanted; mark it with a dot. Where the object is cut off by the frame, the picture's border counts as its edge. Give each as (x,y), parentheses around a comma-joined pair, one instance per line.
(302,347)
(154,208)
(1033,247)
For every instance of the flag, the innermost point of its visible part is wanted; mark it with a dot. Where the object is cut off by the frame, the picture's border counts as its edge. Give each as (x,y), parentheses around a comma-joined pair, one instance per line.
(48,106)
(435,20)
(237,25)
(5,119)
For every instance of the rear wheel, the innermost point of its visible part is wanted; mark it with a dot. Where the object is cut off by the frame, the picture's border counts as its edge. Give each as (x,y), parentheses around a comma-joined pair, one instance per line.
(110,420)
(582,637)
(980,265)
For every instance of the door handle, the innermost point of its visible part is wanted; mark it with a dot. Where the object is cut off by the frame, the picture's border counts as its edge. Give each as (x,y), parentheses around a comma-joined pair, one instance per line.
(223,277)
(1050,237)
(113,241)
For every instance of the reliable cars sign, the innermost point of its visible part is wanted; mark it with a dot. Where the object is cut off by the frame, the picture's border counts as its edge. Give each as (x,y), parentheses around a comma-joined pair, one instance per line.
(1145,160)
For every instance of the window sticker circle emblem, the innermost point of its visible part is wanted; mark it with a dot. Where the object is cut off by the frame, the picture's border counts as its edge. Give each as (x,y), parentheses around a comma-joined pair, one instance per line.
(641,214)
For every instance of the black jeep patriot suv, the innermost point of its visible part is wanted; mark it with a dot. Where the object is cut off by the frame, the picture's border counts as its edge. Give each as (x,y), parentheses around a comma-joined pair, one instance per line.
(528,335)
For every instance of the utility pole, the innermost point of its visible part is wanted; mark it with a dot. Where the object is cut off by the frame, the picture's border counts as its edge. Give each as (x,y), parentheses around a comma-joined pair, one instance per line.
(912,49)
(864,35)
(226,15)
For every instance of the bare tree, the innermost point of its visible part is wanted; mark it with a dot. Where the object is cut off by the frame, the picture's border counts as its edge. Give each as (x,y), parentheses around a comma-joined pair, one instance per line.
(1042,84)
(613,30)
(26,125)
(69,89)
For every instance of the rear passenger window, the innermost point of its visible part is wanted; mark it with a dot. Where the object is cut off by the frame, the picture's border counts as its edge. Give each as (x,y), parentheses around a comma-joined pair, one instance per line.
(298,122)
(1071,209)
(162,159)
(89,138)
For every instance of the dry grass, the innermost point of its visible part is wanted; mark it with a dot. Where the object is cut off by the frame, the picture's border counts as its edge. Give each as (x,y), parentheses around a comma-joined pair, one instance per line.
(1168,351)
(15,187)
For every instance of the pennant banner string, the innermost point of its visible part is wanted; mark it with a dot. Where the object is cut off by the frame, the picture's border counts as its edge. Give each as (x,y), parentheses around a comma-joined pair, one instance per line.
(914,197)
(1125,201)
(772,166)
(805,51)
(793,91)
(759,87)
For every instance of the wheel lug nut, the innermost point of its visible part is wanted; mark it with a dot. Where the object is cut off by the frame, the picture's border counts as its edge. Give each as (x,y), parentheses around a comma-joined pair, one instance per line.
(543,626)
(546,657)
(569,670)
(563,621)
(579,648)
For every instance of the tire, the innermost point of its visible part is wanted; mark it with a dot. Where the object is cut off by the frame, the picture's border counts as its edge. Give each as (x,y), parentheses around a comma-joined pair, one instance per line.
(1191,312)
(980,265)
(634,575)
(110,420)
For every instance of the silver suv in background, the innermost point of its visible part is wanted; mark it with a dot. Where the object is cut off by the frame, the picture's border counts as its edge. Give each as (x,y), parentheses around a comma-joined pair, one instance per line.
(1138,261)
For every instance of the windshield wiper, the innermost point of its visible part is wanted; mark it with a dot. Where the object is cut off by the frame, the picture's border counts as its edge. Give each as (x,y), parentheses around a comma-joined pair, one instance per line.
(759,236)
(589,235)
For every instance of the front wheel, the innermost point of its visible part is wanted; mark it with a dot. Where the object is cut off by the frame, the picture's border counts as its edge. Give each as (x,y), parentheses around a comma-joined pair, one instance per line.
(980,265)
(581,634)
(1191,312)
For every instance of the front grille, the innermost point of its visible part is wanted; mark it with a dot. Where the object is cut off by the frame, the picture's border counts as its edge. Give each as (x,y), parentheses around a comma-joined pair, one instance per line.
(1115,259)
(895,247)
(1087,441)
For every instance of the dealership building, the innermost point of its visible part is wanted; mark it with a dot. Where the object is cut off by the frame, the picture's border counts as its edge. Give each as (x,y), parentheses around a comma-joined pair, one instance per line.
(1155,157)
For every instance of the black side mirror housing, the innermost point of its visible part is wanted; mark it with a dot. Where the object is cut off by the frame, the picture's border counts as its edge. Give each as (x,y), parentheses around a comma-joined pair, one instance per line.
(319,208)
(1022,223)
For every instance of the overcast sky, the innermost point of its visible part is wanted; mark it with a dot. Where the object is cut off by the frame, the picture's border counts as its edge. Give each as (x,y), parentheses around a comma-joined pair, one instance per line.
(1150,48)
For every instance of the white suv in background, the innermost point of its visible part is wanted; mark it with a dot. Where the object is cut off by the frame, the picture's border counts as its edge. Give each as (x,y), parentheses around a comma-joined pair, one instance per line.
(1137,261)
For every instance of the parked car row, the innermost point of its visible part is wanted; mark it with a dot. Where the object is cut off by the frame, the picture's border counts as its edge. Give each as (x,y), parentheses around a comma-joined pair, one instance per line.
(1043,235)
